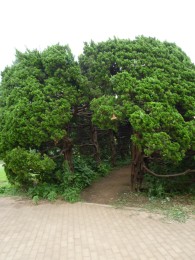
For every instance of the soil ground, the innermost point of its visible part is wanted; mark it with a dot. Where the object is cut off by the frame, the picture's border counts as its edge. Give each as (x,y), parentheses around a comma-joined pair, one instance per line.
(114,189)
(108,189)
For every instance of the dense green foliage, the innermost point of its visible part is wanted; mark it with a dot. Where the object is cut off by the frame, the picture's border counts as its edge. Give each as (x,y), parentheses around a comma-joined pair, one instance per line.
(152,85)
(37,95)
(59,116)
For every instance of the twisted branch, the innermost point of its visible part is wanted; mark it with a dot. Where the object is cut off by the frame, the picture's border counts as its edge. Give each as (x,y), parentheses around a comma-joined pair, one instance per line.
(168,175)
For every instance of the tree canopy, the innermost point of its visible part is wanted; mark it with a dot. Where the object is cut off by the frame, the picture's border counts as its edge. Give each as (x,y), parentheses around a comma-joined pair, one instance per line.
(152,85)
(53,108)
(37,95)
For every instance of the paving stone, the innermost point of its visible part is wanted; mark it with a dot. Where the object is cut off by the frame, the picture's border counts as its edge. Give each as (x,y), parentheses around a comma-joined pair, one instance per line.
(88,232)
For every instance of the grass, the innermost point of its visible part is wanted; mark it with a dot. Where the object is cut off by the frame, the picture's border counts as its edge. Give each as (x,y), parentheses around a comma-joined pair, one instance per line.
(6,189)
(3,178)
(177,208)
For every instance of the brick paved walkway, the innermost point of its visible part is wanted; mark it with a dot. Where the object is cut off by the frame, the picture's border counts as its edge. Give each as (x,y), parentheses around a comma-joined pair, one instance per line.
(88,231)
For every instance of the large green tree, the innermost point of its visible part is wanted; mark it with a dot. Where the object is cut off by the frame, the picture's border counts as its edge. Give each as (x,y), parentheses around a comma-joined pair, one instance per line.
(152,85)
(38,95)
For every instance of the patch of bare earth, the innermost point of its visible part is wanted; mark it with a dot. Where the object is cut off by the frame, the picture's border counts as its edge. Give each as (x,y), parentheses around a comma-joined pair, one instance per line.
(114,189)
(107,190)
(111,188)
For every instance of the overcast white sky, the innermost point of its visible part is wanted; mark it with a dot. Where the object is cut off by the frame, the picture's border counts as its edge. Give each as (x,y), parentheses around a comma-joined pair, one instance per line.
(40,23)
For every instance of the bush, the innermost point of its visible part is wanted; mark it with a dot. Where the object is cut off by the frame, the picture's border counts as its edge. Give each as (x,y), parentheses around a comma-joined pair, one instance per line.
(3,189)
(33,172)
(24,167)
(10,190)
(44,191)
(160,187)
(35,199)
(52,196)
(155,186)
(104,168)
(84,175)
(72,195)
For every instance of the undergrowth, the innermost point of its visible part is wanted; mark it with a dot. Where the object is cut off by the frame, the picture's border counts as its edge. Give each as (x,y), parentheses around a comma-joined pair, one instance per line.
(69,187)
(10,190)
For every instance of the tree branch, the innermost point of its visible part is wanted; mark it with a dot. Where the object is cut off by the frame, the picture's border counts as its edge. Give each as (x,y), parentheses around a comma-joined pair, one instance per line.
(85,145)
(168,175)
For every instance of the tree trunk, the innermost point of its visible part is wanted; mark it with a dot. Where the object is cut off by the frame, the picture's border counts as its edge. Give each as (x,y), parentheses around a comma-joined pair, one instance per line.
(137,170)
(112,147)
(94,137)
(68,153)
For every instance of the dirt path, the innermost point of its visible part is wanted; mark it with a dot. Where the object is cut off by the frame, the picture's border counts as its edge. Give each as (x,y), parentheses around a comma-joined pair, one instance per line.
(107,190)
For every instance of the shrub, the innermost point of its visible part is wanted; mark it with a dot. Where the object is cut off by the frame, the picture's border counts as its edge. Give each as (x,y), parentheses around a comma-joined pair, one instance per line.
(104,168)
(44,191)
(10,190)
(35,199)
(72,195)
(23,167)
(84,175)
(155,186)
(52,196)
